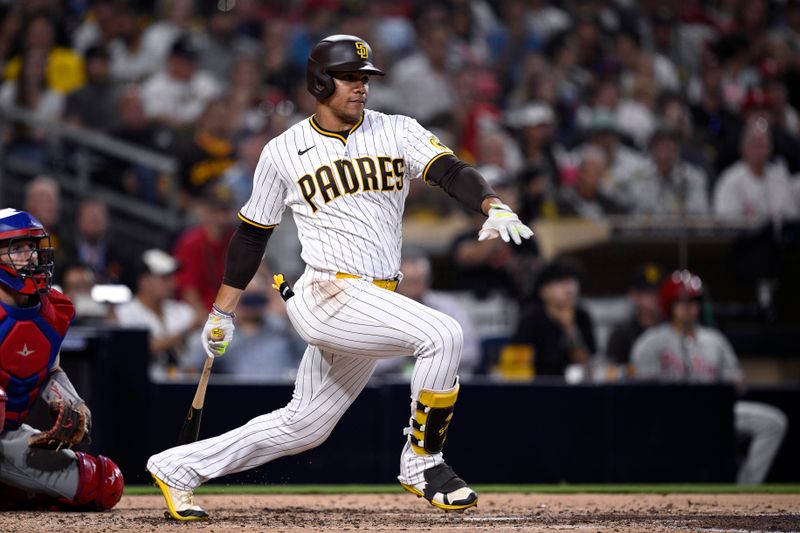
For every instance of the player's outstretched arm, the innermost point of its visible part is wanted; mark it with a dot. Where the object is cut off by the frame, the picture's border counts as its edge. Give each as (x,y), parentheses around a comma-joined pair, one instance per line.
(243,258)
(465,184)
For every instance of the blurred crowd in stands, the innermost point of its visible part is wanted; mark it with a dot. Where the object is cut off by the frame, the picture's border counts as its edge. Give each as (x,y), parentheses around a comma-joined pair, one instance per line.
(589,109)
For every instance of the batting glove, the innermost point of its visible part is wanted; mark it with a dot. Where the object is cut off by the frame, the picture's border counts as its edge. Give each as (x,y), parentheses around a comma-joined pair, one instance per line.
(218,332)
(503,222)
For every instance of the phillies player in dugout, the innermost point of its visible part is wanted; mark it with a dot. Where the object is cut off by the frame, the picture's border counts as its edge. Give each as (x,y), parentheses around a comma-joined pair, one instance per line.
(343,172)
(37,468)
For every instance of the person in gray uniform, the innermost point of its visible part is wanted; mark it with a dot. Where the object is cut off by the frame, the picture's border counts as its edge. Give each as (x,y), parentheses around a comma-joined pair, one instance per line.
(681,349)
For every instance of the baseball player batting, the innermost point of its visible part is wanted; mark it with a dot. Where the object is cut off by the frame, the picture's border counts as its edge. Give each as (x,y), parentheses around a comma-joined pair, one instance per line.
(343,172)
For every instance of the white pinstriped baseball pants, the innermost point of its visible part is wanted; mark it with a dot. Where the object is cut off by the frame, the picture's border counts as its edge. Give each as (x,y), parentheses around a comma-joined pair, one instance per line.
(349,324)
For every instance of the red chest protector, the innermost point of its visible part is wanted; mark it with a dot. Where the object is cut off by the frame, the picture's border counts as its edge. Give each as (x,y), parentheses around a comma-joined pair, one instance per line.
(30,338)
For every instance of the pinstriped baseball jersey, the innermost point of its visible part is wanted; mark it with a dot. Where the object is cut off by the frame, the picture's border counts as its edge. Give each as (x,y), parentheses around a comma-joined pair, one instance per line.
(347,193)
(347,196)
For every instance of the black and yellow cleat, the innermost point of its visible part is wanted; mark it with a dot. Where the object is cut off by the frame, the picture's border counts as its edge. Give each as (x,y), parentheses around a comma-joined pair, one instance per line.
(180,503)
(444,489)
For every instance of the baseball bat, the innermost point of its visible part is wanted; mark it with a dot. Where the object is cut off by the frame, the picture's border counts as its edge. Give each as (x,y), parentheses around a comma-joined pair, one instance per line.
(191,424)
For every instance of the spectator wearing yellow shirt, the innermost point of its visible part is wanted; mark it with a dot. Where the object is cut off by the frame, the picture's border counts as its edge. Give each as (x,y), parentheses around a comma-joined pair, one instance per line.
(64,71)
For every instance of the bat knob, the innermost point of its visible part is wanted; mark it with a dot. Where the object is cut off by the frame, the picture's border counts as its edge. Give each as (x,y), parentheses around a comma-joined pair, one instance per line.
(217,334)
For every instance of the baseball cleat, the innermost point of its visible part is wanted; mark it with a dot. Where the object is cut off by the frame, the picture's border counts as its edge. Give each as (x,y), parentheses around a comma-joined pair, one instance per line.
(444,489)
(180,503)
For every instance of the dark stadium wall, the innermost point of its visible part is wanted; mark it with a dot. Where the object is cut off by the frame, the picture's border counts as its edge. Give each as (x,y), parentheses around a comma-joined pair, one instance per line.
(544,432)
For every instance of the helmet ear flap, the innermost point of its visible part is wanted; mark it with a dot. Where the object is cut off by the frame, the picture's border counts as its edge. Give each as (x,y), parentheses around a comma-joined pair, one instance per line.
(319,83)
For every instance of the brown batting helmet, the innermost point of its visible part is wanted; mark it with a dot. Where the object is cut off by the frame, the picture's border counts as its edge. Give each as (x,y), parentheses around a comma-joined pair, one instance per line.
(337,53)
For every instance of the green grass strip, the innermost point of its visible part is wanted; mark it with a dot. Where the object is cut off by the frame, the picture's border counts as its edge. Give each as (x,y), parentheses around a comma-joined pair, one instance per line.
(134,490)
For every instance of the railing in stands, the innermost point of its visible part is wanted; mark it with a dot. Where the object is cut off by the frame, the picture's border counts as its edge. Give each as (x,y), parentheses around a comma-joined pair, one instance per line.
(79,182)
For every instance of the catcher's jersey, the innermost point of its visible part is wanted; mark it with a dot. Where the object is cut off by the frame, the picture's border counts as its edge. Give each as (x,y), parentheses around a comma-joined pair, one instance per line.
(347,193)
(30,339)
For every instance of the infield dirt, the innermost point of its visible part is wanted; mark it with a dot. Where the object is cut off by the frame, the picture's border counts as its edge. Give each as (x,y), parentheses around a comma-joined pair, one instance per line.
(402,512)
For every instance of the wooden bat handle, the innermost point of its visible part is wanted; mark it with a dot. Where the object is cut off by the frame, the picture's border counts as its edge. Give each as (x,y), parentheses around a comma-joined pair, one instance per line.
(200,393)
(191,424)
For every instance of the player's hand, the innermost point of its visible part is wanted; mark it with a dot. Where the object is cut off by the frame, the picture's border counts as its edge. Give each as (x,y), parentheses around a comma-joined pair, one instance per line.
(504,223)
(217,333)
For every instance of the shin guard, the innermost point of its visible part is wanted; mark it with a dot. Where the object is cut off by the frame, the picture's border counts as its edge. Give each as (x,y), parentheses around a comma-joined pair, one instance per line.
(100,484)
(430,419)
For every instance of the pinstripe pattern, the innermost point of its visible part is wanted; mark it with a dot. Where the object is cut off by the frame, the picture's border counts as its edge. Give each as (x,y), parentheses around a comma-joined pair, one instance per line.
(348,323)
(326,386)
(359,233)
(355,317)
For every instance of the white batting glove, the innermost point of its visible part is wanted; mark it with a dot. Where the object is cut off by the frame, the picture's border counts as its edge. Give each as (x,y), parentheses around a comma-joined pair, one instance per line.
(505,223)
(217,333)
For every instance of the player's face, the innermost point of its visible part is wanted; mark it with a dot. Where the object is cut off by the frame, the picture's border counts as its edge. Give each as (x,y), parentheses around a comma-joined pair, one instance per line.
(350,97)
(686,312)
(20,253)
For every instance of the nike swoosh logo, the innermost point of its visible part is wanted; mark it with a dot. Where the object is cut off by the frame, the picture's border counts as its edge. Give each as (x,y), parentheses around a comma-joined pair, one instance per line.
(301,152)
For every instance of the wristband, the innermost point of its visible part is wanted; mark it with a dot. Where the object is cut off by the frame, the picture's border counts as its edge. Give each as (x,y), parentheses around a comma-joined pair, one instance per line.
(502,207)
(221,312)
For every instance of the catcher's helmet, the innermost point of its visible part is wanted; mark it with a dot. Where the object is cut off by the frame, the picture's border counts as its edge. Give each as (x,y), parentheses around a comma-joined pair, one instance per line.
(680,285)
(337,53)
(37,273)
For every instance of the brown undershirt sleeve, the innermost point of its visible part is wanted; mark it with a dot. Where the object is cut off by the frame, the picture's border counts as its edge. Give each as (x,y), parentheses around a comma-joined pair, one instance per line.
(459,180)
(245,251)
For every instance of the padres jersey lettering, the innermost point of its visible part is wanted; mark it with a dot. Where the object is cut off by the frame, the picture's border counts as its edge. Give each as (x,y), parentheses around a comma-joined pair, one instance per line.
(347,194)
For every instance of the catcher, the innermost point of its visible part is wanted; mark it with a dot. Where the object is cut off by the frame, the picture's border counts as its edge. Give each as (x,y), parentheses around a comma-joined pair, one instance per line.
(37,468)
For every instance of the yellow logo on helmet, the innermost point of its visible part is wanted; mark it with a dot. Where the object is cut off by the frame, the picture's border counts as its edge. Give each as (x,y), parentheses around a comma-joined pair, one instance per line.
(361,50)
(652,274)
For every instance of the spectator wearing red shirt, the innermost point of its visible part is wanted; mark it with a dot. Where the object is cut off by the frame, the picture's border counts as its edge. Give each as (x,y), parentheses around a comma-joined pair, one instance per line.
(201,248)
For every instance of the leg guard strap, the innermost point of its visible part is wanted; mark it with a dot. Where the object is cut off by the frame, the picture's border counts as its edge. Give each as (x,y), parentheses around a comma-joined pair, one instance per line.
(3,399)
(441,478)
(431,416)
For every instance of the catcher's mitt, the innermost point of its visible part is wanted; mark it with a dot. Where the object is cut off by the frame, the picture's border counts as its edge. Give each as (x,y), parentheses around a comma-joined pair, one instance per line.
(72,424)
